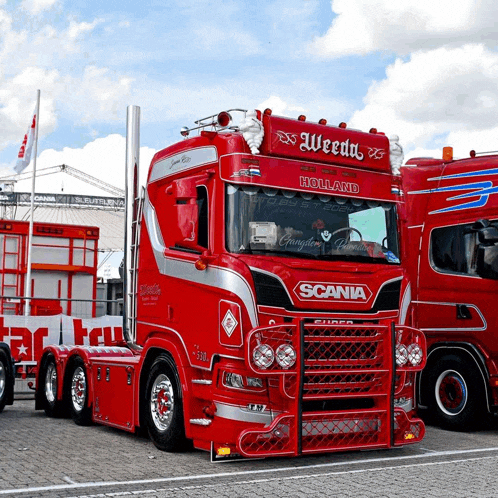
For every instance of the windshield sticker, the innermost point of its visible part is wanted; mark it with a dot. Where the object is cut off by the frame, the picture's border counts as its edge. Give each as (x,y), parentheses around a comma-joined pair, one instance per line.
(326,235)
(391,257)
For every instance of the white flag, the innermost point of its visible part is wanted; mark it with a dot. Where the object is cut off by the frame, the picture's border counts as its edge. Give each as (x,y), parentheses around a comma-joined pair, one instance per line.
(24,155)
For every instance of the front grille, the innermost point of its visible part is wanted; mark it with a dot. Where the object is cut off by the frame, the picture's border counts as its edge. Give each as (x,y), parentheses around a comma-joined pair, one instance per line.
(270,291)
(343,347)
(388,298)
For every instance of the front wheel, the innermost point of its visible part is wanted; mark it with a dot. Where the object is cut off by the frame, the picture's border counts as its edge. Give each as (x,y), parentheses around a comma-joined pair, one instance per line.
(163,406)
(456,394)
(78,393)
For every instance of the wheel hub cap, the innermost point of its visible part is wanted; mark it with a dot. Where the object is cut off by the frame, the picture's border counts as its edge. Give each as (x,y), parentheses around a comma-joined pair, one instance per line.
(162,402)
(51,383)
(78,389)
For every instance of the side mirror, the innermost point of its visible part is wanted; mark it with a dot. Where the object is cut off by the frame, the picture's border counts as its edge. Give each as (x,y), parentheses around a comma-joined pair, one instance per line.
(487,234)
(487,261)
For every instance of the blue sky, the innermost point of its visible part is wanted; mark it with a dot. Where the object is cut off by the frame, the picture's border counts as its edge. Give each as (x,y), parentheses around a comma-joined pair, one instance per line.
(426,71)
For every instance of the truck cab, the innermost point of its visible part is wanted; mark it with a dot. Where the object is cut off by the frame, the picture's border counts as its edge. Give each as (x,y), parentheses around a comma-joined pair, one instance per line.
(267,305)
(276,273)
(452,256)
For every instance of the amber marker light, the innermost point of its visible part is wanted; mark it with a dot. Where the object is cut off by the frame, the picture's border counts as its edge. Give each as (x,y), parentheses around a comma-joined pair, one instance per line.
(223,451)
(201,265)
(447,153)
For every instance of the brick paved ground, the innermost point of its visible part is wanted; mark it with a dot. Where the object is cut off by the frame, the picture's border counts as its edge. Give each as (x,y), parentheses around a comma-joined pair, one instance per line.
(54,457)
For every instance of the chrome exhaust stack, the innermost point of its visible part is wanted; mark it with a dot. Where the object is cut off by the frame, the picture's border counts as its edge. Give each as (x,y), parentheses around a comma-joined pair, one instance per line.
(132,200)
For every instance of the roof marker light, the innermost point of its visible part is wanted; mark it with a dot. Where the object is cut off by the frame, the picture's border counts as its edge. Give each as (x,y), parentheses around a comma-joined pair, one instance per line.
(301,117)
(267,111)
(373,130)
(472,153)
(342,124)
(447,153)
(322,121)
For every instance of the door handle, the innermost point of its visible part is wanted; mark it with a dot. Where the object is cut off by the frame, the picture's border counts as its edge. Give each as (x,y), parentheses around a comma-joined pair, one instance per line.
(463,312)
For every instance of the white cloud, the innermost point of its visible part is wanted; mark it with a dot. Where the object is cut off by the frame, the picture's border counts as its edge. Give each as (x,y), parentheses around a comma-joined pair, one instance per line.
(103,158)
(403,26)
(44,59)
(36,6)
(433,92)
(279,107)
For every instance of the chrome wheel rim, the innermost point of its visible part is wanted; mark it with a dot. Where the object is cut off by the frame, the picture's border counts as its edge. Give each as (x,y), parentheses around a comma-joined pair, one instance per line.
(451,392)
(78,389)
(51,383)
(162,402)
(3,379)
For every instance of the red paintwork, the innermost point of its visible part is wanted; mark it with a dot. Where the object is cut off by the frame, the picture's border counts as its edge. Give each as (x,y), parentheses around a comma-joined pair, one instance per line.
(187,312)
(435,294)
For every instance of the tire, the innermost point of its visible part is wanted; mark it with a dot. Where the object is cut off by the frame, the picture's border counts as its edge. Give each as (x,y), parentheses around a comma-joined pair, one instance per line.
(456,394)
(163,406)
(81,413)
(4,379)
(48,390)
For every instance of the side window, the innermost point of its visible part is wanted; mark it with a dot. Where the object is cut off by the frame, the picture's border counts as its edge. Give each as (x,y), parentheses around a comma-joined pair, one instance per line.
(202,203)
(454,249)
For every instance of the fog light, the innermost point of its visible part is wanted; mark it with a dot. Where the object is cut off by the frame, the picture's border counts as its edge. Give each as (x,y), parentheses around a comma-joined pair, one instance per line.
(415,354)
(263,356)
(401,355)
(286,355)
(254,382)
(234,380)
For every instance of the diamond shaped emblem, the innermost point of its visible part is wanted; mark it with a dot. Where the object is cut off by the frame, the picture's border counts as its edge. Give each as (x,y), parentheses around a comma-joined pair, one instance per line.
(229,323)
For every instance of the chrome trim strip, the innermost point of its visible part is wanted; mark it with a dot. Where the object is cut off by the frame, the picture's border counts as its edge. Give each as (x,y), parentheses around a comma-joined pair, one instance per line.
(183,161)
(231,412)
(213,276)
(455,328)
(405,303)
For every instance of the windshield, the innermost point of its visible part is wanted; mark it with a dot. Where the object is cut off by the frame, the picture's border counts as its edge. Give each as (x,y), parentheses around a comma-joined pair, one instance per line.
(298,224)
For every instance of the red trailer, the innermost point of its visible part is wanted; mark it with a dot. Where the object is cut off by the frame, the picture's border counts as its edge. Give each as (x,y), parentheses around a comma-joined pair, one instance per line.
(64,267)
(265,298)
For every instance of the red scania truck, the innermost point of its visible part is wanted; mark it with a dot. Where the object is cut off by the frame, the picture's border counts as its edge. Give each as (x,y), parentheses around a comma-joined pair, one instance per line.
(265,297)
(451,245)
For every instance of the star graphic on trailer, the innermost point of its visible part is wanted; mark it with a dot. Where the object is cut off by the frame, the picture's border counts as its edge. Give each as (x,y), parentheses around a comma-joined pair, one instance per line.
(22,349)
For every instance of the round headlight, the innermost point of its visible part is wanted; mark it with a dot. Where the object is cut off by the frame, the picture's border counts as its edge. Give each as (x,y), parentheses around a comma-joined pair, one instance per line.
(286,355)
(415,354)
(401,355)
(263,356)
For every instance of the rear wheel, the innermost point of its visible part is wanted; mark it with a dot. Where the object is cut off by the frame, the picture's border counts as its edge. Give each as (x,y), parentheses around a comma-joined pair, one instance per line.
(78,392)
(49,377)
(456,394)
(163,406)
(4,378)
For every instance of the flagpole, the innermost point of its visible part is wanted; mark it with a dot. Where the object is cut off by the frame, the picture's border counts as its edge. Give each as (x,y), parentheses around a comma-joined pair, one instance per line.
(27,293)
